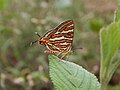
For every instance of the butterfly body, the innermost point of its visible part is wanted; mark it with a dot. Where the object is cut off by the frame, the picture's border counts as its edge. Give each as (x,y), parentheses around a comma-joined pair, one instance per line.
(59,40)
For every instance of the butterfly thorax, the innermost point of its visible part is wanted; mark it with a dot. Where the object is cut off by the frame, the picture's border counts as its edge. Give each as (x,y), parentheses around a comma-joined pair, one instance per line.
(43,40)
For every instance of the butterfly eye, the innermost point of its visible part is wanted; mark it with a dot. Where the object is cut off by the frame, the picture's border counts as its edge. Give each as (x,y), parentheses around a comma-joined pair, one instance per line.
(40,42)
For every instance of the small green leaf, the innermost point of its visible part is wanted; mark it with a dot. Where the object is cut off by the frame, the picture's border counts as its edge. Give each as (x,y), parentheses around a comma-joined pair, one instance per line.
(110,39)
(69,76)
(117,14)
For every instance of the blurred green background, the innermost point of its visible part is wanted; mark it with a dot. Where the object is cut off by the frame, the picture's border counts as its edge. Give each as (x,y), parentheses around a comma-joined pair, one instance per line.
(24,67)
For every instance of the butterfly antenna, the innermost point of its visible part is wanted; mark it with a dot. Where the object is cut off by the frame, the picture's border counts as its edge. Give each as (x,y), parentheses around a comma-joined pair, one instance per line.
(78,48)
(33,42)
(37,34)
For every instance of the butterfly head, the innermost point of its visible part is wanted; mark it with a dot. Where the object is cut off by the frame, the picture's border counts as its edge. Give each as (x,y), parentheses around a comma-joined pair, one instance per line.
(43,40)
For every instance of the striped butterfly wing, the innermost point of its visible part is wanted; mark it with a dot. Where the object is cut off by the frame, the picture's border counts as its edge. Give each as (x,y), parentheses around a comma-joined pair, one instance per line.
(61,37)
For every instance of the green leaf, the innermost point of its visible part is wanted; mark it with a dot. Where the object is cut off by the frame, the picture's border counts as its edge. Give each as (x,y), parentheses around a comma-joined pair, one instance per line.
(117,14)
(109,39)
(69,76)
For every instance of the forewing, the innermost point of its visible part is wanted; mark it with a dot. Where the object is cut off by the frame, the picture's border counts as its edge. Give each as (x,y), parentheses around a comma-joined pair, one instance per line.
(60,39)
(49,34)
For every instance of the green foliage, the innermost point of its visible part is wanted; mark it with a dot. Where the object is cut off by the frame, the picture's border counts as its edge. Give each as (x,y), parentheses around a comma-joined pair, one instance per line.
(117,14)
(3,4)
(69,76)
(109,40)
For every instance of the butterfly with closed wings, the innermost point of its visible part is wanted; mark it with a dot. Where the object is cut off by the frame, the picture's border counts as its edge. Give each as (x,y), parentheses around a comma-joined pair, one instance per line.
(59,40)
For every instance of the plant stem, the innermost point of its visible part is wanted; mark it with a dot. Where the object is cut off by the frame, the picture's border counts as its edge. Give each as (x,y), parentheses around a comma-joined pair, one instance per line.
(103,76)
(103,85)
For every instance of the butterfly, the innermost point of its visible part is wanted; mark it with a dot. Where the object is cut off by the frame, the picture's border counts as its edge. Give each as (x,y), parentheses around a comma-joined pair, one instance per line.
(59,40)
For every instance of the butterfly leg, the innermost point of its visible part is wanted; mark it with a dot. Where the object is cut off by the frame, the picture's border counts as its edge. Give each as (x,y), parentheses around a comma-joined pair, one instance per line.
(48,51)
